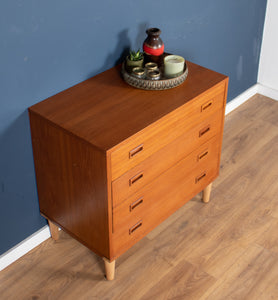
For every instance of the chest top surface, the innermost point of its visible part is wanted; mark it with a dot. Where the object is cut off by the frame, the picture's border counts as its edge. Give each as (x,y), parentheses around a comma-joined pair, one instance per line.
(104,110)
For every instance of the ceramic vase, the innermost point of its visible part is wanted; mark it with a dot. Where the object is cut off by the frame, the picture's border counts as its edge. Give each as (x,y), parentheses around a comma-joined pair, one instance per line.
(153,46)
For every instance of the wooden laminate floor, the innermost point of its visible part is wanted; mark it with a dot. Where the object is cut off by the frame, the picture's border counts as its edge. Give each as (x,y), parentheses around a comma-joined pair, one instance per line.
(227,249)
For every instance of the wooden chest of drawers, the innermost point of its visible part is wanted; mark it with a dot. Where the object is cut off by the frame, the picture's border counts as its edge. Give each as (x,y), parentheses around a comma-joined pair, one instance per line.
(112,162)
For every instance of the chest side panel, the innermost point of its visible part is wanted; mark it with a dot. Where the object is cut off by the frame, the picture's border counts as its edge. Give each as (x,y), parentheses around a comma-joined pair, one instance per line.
(72,184)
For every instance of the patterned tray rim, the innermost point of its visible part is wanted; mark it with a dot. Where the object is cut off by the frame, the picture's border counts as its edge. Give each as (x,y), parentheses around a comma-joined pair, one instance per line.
(160,84)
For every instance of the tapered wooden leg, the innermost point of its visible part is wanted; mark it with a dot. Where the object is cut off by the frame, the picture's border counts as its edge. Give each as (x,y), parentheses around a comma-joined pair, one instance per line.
(206,193)
(109,268)
(54,230)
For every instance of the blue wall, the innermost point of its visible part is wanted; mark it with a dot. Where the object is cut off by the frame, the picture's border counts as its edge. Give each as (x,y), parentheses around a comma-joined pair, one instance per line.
(48,46)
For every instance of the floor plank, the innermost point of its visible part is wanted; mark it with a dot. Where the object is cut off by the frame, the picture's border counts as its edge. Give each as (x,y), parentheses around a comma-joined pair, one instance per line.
(186,281)
(244,279)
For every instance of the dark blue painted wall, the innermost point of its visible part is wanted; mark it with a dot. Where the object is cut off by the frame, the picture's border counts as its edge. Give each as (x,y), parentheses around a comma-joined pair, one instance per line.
(47,46)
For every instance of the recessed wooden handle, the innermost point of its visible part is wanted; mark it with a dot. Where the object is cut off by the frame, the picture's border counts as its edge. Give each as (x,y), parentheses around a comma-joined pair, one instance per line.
(200,177)
(206,105)
(204,131)
(202,155)
(136,150)
(135,178)
(136,203)
(135,227)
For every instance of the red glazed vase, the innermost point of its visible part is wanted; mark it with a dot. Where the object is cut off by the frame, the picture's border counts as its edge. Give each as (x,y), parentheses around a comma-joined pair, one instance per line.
(153,44)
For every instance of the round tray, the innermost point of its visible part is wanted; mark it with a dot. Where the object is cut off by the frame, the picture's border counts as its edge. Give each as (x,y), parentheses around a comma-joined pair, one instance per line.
(160,84)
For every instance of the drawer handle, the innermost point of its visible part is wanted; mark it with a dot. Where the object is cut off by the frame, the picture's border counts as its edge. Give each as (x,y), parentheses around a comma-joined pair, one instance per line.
(136,203)
(135,227)
(206,105)
(136,150)
(204,130)
(135,178)
(202,155)
(200,177)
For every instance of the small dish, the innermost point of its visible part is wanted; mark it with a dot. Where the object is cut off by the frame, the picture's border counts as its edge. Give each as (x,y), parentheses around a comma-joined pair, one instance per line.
(151,66)
(153,74)
(138,72)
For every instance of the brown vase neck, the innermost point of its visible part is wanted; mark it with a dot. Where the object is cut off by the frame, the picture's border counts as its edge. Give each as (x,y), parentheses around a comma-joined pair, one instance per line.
(155,32)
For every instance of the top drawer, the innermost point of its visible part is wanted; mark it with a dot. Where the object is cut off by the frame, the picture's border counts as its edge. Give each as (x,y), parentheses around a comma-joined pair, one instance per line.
(140,146)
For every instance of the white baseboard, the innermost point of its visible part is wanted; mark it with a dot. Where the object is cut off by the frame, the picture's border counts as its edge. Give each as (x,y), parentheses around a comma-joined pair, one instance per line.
(240,99)
(43,234)
(255,89)
(24,247)
(267,91)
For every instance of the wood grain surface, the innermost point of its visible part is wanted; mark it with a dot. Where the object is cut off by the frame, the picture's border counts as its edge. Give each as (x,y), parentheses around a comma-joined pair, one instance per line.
(71,194)
(163,196)
(157,163)
(91,111)
(86,137)
(167,129)
(226,249)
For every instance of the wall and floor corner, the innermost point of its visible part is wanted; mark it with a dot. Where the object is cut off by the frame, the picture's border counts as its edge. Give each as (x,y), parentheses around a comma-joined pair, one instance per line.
(267,75)
(48,46)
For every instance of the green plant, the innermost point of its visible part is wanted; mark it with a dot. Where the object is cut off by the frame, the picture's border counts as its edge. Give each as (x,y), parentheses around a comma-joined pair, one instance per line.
(135,56)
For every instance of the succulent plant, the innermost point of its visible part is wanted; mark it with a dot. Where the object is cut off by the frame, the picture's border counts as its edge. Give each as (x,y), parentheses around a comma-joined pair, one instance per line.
(135,55)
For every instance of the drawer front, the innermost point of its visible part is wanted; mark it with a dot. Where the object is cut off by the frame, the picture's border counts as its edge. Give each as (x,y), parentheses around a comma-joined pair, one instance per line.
(150,168)
(157,135)
(170,182)
(160,202)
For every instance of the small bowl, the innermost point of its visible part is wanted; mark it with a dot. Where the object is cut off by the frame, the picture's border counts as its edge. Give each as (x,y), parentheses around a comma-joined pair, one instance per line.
(173,65)
(138,72)
(153,74)
(151,66)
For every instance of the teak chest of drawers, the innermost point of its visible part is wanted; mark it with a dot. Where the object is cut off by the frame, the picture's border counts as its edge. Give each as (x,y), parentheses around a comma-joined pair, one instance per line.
(112,162)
